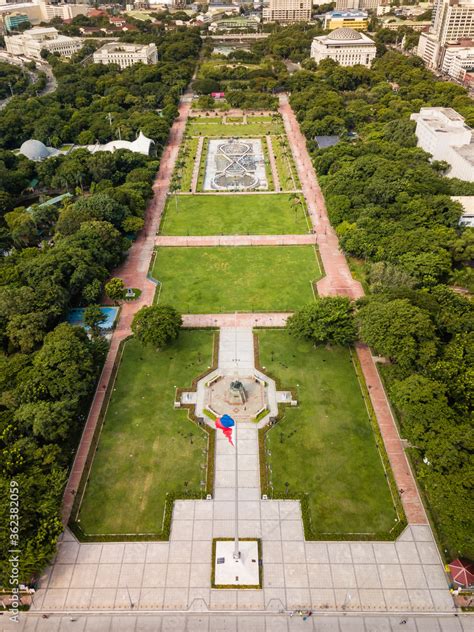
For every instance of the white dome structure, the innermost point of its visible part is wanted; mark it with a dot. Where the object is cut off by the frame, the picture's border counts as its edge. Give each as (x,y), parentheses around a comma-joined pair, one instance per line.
(346,46)
(345,34)
(36,150)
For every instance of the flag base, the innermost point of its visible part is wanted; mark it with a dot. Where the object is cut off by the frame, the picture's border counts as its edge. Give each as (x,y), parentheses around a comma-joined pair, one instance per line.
(231,572)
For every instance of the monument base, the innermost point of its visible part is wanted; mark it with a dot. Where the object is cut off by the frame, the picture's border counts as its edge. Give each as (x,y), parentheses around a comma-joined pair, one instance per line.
(230,572)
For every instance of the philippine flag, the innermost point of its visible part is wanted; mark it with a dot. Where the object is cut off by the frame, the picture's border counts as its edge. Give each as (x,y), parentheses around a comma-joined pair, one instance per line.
(227,425)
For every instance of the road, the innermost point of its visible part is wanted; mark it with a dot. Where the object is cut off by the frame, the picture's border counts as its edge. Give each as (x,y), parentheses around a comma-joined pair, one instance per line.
(51,83)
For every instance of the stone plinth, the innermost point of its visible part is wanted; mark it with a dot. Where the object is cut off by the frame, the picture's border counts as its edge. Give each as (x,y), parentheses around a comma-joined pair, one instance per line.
(217,398)
(241,572)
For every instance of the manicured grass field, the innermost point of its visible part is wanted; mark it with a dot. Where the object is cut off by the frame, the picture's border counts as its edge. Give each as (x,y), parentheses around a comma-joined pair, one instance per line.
(147,448)
(244,278)
(233,215)
(325,446)
(215,127)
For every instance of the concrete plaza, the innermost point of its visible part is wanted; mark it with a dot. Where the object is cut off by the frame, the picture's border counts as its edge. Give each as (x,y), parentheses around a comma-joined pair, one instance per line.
(402,576)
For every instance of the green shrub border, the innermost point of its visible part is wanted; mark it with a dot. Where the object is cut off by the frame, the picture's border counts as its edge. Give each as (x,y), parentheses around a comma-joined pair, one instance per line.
(231,586)
(309,531)
(261,415)
(74,524)
(202,165)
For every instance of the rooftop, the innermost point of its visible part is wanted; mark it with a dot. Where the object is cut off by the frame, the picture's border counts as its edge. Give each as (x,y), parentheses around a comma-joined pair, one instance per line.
(111,47)
(345,36)
(348,13)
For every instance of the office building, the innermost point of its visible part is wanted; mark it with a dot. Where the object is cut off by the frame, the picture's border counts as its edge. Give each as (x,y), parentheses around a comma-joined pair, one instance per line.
(365,5)
(346,46)
(457,59)
(453,20)
(346,19)
(443,133)
(12,22)
(287,11)
(38,11)
(32,42)
(125,55)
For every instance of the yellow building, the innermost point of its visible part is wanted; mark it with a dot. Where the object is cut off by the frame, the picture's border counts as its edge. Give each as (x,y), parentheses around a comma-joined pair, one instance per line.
(358,20)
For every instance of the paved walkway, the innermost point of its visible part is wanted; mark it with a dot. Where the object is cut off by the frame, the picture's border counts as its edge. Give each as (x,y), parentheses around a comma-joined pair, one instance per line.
(224,193)
(244,621)
(253,319)
(134,274)
(273,165)
(402,576)
(338,279)
(414,510)
(197,165)
(236,349)
(236,240)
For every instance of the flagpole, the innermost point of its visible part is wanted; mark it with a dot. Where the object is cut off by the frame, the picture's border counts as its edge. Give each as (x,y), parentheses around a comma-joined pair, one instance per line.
(236,547)
(236,538)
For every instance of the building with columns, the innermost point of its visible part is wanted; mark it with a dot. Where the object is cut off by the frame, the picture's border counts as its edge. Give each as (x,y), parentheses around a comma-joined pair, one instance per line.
(346,46)
(125,55)
(32,42)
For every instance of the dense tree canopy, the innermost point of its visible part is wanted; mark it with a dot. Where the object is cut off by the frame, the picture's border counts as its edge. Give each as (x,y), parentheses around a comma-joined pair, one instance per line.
(55,256)
(394,215)
(156,325)
(327,320)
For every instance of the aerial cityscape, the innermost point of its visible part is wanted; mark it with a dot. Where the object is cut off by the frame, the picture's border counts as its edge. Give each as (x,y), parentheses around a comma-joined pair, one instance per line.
(237,320)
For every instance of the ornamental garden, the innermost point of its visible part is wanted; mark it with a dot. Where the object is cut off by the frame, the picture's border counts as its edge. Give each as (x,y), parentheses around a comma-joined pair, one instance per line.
(235,176)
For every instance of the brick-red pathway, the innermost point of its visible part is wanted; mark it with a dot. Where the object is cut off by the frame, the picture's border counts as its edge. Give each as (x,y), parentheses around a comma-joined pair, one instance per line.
(134,274)
(338,280)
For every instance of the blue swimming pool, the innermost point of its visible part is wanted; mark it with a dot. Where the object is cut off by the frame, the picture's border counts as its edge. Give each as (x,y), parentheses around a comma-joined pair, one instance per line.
(75,316)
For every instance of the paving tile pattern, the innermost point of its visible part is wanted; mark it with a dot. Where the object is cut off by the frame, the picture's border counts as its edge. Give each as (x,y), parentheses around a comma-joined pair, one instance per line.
(235,240)
(402,576)
(241,622)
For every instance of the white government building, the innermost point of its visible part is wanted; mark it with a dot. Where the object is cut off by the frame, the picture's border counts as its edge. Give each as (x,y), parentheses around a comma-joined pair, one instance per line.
(32,42)
(346,46)
(443,133)
(125,55)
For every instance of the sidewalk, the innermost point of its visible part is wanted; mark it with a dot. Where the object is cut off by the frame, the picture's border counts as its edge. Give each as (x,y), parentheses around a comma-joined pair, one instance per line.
(236,240)
(338,279)
(134,274)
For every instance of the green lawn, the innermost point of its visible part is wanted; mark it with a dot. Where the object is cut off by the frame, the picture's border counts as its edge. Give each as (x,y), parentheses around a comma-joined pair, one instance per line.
(244,278)
(325,446)
(232,215)
(257,126)
(147,448)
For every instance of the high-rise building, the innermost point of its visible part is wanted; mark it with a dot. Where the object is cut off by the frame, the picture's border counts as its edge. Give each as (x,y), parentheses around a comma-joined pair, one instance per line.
(371,5)
(458,58)
(453,20)
(286,11)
